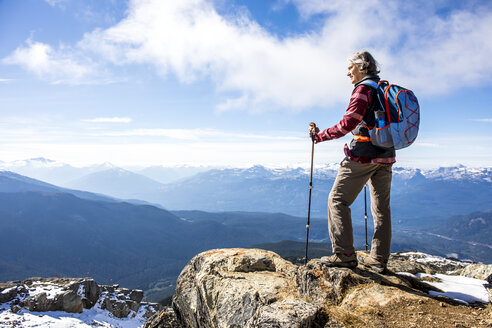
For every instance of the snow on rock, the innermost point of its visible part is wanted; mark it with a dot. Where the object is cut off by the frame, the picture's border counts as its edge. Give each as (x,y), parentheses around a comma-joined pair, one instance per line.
(94,317)
(64,302)
(459,288)
(462,281)
(435,263)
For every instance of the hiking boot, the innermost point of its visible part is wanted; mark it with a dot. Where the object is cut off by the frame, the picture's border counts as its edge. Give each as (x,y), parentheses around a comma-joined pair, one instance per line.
(340,260)
(375,265)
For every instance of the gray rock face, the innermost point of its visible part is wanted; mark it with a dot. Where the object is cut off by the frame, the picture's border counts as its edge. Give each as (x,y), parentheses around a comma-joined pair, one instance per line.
(41,303)
(164,319)
(89,289)
(136,295)
(52,295)
(289,314)
(121,301)
(8,293)
(73,295)
(71,302)
(119,308)
(328,286)
(241,288)
(414,262)
(477,271)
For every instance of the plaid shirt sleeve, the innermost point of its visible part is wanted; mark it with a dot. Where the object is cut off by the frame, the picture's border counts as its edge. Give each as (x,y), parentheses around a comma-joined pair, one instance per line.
(357,108)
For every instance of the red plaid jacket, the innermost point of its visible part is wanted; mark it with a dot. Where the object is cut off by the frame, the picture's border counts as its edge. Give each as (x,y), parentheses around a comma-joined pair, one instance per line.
(357,108)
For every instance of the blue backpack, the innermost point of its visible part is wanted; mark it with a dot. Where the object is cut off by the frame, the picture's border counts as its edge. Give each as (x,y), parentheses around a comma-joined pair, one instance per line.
(397,116)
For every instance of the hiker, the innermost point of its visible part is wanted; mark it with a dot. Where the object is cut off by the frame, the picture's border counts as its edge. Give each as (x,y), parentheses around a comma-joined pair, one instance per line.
(363,163)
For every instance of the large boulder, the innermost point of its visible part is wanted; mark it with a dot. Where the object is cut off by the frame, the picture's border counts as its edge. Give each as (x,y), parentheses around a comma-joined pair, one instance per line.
(71,302)
(119,308)
(7,292)
(70,295)
(41,303)
(67,301)
(87,289)
(242,288)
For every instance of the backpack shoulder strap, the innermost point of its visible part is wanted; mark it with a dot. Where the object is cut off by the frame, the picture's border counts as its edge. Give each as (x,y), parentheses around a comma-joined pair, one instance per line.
(375,106)
(370,83)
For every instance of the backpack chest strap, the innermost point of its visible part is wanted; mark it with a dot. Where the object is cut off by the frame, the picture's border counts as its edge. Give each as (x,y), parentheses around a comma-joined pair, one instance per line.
(361,138)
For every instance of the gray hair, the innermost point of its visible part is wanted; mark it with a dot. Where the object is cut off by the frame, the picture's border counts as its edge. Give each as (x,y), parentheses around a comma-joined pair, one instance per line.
(366,62)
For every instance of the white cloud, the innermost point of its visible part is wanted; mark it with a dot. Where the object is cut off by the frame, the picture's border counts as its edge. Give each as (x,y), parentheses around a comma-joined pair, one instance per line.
(233,103)
(64,65)
(127,154)
(181,134)
(433,53)
(5,80)
(483,120)
(58,66)
(191,40)
(211,135)
(55,3)
(215,147)
(223,152)
(427,52)
(109,120)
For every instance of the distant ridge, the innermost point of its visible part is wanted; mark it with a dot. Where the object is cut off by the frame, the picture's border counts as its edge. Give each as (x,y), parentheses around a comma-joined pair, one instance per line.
(116,182)
(436,193)
(13,182)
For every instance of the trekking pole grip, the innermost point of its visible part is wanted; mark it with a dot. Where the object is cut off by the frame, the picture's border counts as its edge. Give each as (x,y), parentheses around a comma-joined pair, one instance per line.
(313,135)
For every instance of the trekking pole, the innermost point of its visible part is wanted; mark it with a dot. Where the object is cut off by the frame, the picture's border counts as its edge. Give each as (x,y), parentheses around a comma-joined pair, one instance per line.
(313,125)
(365,212)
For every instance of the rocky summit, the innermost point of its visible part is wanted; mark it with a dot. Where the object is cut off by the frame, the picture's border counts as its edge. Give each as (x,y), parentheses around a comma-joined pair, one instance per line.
(257,288)
(69,295)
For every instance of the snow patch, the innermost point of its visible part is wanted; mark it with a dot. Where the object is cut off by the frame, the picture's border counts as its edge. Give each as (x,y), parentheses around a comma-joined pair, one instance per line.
(94,317)
(8,290)
(49,289)
(462,289)
(81,292)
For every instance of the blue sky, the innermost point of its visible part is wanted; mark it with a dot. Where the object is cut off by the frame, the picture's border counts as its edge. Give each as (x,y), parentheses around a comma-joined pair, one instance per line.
(234,83)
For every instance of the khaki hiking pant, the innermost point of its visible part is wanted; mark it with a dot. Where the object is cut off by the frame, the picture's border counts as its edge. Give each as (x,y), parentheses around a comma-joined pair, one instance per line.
(351,178)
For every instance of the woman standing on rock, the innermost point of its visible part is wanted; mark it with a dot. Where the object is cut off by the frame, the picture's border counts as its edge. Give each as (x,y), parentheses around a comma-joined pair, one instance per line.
(363,163)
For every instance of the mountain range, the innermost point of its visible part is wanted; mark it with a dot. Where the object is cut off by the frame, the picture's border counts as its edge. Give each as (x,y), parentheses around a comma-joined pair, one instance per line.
(118,182)
(13,182)
(418,197)
(63,174)
(53,231)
